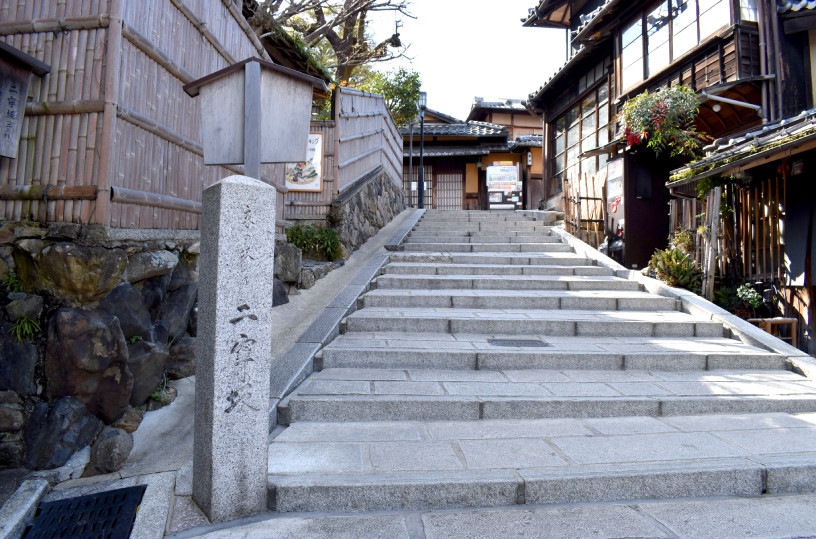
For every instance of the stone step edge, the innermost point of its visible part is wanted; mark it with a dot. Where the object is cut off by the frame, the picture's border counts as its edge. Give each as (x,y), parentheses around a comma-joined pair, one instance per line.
(343,408)
(541,359)
(448,490)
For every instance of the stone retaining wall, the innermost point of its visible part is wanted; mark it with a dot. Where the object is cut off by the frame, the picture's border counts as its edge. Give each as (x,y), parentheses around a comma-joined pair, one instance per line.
(364,208)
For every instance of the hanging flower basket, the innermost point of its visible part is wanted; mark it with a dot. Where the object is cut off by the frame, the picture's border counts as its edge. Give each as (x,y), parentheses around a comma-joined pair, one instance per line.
(663,120)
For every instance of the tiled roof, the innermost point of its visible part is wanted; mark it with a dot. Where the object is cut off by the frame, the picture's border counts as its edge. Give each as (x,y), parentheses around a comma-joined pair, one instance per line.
(527,141)
(454,151)
(747,146)
(462,129)
(588,19)
(500,103)
(784,6)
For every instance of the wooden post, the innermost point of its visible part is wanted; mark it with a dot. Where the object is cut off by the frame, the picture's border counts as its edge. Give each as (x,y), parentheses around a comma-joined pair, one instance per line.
(252,120)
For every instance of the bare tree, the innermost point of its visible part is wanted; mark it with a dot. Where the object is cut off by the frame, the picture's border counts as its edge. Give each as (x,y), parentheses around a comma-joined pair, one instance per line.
(340,23)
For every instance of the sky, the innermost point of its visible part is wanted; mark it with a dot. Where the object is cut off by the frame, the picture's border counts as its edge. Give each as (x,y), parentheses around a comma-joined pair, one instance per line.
(468,48)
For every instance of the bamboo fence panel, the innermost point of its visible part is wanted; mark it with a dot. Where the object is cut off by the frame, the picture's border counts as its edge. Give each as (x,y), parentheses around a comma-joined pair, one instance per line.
(584,208)
(147,139)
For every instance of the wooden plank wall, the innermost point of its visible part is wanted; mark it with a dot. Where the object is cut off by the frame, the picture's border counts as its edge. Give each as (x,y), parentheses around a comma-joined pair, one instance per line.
(112,113)
(361,137)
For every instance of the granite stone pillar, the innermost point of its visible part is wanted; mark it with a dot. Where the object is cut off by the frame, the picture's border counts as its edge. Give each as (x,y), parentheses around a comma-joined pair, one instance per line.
(233,348)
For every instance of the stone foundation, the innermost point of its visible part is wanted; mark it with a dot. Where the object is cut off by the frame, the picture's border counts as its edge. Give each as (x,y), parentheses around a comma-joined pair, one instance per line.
(364,208)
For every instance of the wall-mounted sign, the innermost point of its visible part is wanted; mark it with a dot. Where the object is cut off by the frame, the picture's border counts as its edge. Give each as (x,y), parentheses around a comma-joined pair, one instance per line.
(308,175)
(504,178)
(16,68)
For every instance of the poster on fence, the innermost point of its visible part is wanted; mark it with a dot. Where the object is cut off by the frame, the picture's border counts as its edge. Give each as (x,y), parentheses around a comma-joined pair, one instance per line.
(307,176)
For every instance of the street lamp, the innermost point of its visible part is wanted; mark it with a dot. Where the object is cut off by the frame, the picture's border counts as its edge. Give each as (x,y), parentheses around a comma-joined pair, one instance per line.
(423,101)
(411,165)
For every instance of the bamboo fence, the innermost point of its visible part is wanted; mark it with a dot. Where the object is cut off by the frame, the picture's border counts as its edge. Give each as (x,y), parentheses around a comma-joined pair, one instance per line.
(109,137)
(585,208)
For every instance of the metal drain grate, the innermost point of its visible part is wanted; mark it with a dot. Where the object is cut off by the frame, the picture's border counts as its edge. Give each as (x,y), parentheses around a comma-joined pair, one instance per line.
(522,343)
(107,514)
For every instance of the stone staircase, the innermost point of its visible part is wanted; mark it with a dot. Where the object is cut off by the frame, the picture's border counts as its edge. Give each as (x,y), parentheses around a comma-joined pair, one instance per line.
(490,365)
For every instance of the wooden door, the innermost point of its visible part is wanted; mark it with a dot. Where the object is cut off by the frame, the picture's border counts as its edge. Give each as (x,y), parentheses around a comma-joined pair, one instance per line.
(450,186)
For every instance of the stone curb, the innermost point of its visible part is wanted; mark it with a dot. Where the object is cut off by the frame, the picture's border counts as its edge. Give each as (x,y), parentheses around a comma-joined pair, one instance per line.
(297,362)
(693,304)
(18,510)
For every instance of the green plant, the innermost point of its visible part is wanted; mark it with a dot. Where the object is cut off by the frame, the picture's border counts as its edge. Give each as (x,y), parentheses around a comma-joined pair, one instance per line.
(663,120)
(750,296)
(135,339)
(676,268)
(316,240)
(160,393)
(683,240)
(24,328)
(11,282)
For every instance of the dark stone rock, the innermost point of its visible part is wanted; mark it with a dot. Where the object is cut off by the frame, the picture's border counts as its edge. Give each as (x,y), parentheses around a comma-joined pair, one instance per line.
(148,264)
(176,310)
(18,363)
(55,432)
(279,296)
(69,231)
(86,357)
(12,449)
(307,278)
(131,420)
(181,362)
(126,303)
(24,305)
(186,272)
(75,273)
(192,325)
(12,418)
(154,292)
(109,451)
(288,259)
(146,363)
(161,331)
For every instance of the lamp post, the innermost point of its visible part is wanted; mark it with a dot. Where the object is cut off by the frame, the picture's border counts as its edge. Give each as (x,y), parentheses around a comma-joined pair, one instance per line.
(423,101)
(411,165)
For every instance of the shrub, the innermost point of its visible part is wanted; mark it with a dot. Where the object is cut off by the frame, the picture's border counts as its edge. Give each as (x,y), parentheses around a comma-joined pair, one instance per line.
(663,120)
(318,241)
(11,282)
(24,328)
(676,268)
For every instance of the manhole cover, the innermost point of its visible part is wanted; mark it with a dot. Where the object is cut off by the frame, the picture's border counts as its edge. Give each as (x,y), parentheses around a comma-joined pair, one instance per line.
(107,514)
(524,343)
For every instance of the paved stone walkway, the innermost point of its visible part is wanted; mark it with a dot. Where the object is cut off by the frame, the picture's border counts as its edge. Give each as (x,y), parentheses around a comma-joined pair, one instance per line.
(491,366)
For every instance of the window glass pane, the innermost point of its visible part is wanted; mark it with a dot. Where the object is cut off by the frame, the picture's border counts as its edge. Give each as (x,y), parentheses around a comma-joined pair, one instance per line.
(589,143)
(572,155)
(602,159)
(559,144)
(572,173)
(632,55)
(558,164)
(588,105)
(714,14)
(572,135)
(603,93)
(603,136)
(684,28)
(561,124)
(603,113)
(748,10)
(588,126)
(588,167)
(572,116)
(657,30)
(556,183)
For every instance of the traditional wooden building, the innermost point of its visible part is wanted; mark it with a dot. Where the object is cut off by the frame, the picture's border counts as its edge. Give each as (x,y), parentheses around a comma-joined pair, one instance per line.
(731,52)
(456,156)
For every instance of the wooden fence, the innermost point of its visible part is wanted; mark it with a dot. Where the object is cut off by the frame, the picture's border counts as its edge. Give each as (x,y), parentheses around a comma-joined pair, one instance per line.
(362,137)
(109,136)
(585,208)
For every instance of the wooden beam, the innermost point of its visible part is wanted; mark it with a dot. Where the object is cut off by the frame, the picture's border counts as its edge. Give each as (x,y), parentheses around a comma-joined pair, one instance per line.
(65,24)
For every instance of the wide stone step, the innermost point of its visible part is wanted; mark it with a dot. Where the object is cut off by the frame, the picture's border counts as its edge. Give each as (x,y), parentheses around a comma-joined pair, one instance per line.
(415,350)
(538,247)
(398,395)
(504,282)
(532,322)
(491,238)
(508,259)
(416,465)
(453,233)
(518,299)
(406,268)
